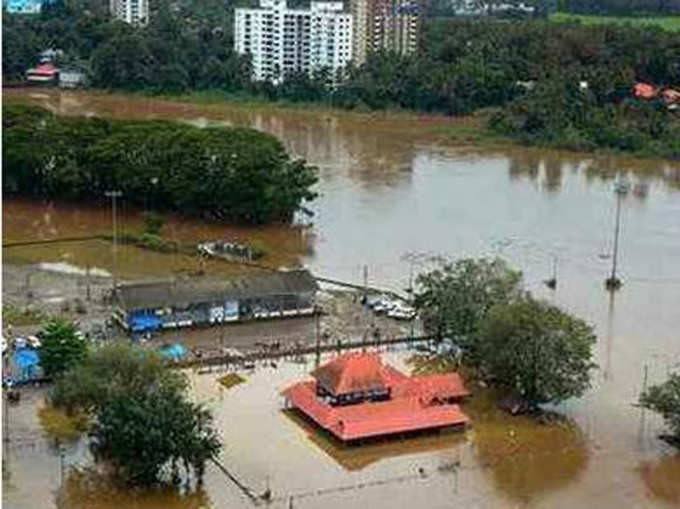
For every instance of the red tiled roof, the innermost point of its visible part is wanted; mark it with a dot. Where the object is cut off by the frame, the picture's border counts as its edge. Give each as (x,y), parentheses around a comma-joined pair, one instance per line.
(375,418)
(644,91)
(44,70)
(351,372)
(415,403)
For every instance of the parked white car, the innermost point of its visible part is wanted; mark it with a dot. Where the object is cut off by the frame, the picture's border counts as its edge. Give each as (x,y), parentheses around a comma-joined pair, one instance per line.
(402,312)
(34,342)
(384,305)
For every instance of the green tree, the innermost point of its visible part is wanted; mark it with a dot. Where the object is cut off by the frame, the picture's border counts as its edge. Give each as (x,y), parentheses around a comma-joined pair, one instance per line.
(536,351)
(63,347)
(111,372)
(455,298)
(139,435)
(142,423)
(665,399)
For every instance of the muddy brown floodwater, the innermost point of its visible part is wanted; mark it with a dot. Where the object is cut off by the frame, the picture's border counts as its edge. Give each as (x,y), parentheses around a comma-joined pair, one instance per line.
(391,186)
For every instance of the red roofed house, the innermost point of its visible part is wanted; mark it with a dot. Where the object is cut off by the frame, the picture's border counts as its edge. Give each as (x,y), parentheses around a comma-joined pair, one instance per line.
(44,73)
(356,396)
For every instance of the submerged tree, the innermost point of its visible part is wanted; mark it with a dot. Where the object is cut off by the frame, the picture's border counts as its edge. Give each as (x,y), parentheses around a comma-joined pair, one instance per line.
(665,399)
(455,299)
(142,423)
(536,351)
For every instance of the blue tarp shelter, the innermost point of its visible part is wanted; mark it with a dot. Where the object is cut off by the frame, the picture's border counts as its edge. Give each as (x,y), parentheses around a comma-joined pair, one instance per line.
(27,360)
(144,322)
(173,352)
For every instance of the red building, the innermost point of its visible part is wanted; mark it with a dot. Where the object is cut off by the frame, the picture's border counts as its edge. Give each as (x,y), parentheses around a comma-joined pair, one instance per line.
(356,396)
(44,73)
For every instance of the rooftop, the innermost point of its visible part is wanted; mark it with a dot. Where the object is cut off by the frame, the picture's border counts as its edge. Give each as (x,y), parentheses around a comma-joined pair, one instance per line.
(184,292)
(415,403)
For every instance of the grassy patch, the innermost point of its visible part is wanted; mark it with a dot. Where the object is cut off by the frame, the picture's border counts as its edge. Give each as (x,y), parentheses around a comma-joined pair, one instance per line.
(231,380)
(60,425)
(670,23)
(19,317)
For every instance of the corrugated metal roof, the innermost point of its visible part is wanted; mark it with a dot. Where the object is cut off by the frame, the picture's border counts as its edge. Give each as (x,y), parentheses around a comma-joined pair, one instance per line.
(184,292)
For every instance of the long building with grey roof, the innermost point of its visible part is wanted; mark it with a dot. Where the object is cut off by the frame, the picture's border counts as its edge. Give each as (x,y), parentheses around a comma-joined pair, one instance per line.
(149,306)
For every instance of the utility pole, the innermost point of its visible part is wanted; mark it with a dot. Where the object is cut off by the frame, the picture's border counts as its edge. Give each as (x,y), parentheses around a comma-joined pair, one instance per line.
(113,195)
(613,282)
(552,282)
(87,282)
(365,280)
(318,339)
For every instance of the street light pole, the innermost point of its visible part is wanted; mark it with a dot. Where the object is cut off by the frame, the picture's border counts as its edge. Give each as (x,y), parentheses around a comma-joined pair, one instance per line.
(113,195)
(612,282)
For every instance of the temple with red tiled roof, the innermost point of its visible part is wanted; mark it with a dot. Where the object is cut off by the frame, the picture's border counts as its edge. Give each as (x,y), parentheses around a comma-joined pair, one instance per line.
(357,396)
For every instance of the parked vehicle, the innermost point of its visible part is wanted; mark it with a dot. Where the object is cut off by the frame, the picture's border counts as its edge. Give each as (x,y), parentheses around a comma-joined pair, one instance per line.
(34,342)
(402,312)
(383,305)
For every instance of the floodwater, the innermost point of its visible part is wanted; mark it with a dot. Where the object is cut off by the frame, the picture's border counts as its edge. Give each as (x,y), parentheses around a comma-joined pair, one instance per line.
(392,186)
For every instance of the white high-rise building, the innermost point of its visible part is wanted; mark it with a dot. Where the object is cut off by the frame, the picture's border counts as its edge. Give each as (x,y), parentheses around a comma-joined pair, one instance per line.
(282,40)
(134,12)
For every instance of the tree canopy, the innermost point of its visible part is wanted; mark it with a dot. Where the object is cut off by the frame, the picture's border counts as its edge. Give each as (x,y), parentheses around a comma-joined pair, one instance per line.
(143,425)
(536,351)
(63,347)
(230,174)
(664,398)
(455,298)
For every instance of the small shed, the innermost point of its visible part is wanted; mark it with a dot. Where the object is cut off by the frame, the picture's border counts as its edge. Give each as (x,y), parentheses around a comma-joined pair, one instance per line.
(71,78)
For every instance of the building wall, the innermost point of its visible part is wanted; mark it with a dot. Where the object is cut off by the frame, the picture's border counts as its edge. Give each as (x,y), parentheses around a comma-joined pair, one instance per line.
(282,40)
(134,12)
(389,25)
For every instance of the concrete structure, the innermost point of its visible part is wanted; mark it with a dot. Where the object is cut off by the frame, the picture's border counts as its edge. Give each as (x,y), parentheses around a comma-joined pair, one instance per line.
(134,12)
(356,396)
(389,25)
(142,307)
(71,78)
(282,40)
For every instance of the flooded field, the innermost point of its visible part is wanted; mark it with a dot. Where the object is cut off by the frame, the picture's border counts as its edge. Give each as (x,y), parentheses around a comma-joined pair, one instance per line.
(392,186)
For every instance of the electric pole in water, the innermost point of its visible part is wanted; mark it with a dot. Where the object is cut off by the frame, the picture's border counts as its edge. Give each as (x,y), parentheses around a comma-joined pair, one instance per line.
(613,282)
(113,195)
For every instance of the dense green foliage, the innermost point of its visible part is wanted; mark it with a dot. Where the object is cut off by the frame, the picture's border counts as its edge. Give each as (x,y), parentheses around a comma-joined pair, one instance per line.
(455,299)
(622,7)
(63,347)
(234,174)
(536,351)
(531,349)
(665,399)
(143,423)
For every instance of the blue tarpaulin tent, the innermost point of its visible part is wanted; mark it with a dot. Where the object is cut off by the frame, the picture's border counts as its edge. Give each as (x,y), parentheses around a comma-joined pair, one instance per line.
(173,352)
(144,322)
(27,361)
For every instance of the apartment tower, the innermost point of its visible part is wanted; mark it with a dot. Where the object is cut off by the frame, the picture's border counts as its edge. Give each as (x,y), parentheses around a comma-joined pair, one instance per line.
(134,12)
(387,25)
(282,40)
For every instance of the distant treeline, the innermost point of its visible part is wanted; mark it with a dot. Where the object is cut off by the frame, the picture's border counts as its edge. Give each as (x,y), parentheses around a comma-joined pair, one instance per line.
(233,174)
(462,66)
(621,7)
